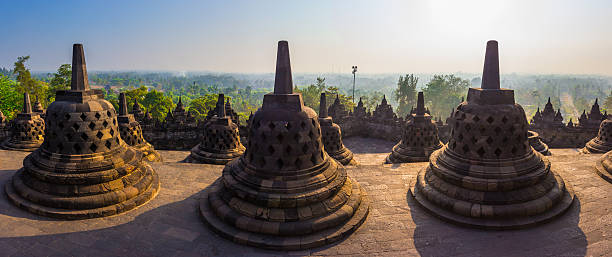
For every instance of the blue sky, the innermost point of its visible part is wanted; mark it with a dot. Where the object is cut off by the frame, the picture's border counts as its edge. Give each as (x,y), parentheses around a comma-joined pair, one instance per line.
(564,36)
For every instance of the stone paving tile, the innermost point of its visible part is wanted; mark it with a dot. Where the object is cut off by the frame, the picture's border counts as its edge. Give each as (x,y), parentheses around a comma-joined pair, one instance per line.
(169,225)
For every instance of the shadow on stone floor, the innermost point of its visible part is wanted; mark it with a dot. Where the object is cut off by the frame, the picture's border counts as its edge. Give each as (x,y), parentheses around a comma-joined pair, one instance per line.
(559,237)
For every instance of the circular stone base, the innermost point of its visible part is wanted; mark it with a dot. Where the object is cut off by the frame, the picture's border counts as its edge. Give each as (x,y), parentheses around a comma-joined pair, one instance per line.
(390,159)
(601,171)
(495,224)
(130,204)
(316,239)
(29,147)
(344,156)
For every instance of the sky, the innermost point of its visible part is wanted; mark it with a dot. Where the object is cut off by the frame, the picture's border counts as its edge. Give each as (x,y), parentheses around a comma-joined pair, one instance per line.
(409,36)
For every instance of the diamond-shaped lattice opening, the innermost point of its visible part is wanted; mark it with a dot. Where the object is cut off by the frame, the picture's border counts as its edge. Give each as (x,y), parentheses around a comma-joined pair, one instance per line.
(466,148)
(105,124)
(77,148)
(69,137)
(279,163)
(288,125)
(83,116)
(288,149)
(97,115)
(108,144)
(93,147)
(504,120)
(112,132)
(117,140)
(490,119)
(298,162)
(303,124)
(84,136)
(60,146)
(305,148)
(481,151)
(474,140)
(460,137)
(489,140)
(476,119)
(61,125)
(92,125)
(99,135)
(67,116)
(454,145)
(514,150)
(280,137)
(271,125)
(468,127)
(505,140)
(76,126)
(498,152)
(271,149)
(108,113)
(512,129)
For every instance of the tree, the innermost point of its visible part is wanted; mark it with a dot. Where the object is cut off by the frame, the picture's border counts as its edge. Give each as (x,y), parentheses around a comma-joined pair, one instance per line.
(200,106)
(608,103)
(443,93)
(137,94)
(312,93)
(405,94)
(60,81)
(25,81)
(11,101)
(157,104)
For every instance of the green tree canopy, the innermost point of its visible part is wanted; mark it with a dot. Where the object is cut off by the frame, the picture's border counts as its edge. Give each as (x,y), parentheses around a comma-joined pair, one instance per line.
(200,106)
(405,94)
(157,104)
(443,93)
(11,101)
(25,81)
(60,81)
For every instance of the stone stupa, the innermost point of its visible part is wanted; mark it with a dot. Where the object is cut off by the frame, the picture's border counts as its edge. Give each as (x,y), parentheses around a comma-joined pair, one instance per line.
(602,143)
(131,132)
(285,192)
(536,142)
(27,130)
(419,138)
(331,134)
(221,142)
(488,176)
(83,169)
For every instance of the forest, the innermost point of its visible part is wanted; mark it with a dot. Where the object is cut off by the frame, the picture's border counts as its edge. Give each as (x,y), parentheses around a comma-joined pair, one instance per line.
(158,92)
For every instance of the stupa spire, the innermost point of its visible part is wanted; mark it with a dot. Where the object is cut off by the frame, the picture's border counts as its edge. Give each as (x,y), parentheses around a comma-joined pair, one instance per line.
(122,105)
(490,72)
(79,69)
(283,82)
(322,106)
(27,106)
(420,104)
(221,104)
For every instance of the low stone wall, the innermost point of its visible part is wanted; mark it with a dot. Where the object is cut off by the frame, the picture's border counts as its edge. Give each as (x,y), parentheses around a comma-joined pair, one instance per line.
(566,137)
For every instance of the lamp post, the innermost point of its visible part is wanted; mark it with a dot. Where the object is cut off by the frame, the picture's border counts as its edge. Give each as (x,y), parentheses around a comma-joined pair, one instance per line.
(354,71)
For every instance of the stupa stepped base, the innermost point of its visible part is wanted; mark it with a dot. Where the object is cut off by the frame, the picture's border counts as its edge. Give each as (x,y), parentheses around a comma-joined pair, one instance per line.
(595,146)
(603,167)
(399,154)
(149,153)
(203,157)
(283,235)
(499,210)
(344,156)
(20,146)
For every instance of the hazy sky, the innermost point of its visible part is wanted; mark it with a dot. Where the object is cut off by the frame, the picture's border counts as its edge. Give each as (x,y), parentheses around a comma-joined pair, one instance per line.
(560,36)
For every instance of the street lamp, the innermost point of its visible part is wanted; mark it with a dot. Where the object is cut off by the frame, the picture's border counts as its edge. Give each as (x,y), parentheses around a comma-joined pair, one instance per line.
(354,71)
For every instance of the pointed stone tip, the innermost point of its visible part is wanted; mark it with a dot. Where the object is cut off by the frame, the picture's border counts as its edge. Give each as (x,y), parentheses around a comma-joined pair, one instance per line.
(549,99)
(596,100)
(221,106)
(323,106)
(27,106)
(283,82)
(490,72)
(420,104)
(122,105)
(79,69)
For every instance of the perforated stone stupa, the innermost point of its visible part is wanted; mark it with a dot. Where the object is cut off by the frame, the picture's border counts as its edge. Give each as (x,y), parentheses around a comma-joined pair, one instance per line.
(331,134)
(27,130)
(536,143)
(131,132)
(419,138)
(83,169)
(221,142)
(602,143)
(285,192)
(488,176)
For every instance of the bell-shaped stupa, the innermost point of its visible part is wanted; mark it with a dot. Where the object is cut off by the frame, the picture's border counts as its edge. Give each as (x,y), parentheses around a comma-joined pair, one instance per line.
(131,132)
(27,130)
(83,169)
(488,176)
(602,143)
(221,142)
(419,138)
(331,134)
(285,192)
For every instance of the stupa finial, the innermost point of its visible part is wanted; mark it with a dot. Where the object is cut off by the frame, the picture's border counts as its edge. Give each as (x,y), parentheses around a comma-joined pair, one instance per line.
(490,72)
(283,82)
(322,106)
(27,106)
(221,106)
(420,104)
(122,105)
(79,69)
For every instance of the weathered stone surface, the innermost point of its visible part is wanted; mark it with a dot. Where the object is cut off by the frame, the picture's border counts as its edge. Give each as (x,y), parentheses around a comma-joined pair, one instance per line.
(83,169)
(488,175)
(27,130)
(331,135)
(131,132)
(221,142)
(536,143)
(285,192)
(602,143)
(419,138)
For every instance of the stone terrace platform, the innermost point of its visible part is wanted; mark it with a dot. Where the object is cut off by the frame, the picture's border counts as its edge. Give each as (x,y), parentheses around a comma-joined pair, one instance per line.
(169,225)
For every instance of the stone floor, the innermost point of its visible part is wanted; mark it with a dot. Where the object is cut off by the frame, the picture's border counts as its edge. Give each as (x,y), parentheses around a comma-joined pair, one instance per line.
(169,225)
